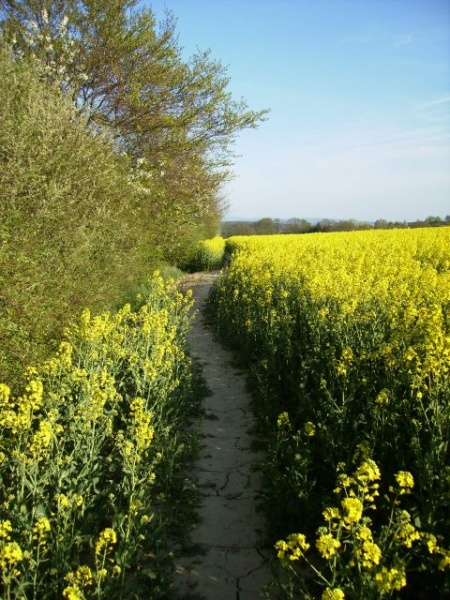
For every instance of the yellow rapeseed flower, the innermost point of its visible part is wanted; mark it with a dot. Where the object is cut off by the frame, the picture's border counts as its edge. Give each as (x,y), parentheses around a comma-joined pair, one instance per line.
(405,480)
(10,554)
(35,391)
(331,513)
(327,545)
(41,528)
(281,547)
(407,533)
(364,533)
(107,538)
(83,576)
(383,398)
(62,501)
(333,594)
(283,420)
(72,592)
(431,542)
(5,530)
(41,440)
(388,580)
(298,540)
(309,429)
(352,510)
(368,471)
(293,548)
(5,394)
(370,554)
(444,563)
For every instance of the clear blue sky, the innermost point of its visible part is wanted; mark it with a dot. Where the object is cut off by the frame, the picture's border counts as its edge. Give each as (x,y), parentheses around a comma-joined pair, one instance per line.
(359,94)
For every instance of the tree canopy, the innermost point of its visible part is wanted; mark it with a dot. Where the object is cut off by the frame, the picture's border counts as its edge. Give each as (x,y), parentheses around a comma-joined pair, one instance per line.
(127,72)
(114,149)
(174,118)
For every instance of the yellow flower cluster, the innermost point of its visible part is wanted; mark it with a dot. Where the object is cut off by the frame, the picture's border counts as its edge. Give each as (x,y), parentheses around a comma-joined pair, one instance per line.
(293,548)
(352,511)
(333,594)
(367,551)
(78,448)
(78,580)
(5,530)
(10,554)
(106,540)
(327,545)
(400,278)
(407,534)
(405,480)
(41,528)
(388,580)
(283,420)
(142,431)
(309,429)
(349,332)
(347,542)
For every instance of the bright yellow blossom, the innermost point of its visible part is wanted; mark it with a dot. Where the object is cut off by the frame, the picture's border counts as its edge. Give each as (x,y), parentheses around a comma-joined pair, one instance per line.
(72,592)
(333,594)
(107,538)
(405,480)
(352,510)
(327,545)
(331,513)
(41,528)
(10,554)
(5,530)
(388,580)
(293,548)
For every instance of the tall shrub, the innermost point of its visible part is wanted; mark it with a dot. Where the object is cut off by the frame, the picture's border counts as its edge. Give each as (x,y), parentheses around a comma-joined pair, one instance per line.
(70,231)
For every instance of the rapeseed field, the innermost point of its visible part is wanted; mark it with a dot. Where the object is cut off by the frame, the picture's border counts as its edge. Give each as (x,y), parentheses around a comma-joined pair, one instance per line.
(88,452)
(347,336)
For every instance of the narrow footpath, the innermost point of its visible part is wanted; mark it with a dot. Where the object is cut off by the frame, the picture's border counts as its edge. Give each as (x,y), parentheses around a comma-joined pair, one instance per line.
(228,561)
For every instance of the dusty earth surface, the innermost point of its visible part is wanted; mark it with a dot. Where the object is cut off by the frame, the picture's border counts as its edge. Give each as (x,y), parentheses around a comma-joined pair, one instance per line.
(227,560)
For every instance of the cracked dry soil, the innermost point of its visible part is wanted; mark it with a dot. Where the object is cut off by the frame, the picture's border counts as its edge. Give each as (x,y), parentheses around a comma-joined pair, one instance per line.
(228,561)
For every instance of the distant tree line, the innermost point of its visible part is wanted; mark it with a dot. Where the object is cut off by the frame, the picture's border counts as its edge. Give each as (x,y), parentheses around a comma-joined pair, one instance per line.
(268,226)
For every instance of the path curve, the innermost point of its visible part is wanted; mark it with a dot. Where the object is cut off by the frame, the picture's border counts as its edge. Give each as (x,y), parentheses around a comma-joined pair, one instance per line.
(229,562)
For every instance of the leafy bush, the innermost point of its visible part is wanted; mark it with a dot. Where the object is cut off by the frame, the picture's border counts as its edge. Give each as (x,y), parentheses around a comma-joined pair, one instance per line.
(70,228)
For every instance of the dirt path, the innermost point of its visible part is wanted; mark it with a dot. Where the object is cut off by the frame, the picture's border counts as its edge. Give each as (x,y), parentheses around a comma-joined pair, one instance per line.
(228,562)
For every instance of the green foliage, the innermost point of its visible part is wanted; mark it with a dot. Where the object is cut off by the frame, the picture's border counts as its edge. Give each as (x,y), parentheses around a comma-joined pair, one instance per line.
(175,118)
(265,226)
(71,233)
(208,255)
(91,455)
(112,153)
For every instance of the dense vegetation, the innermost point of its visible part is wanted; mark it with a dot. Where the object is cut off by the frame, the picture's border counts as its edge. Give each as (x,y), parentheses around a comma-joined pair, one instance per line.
(347,336)
(207,255)
(69,238)
(113,150)
(90,457)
